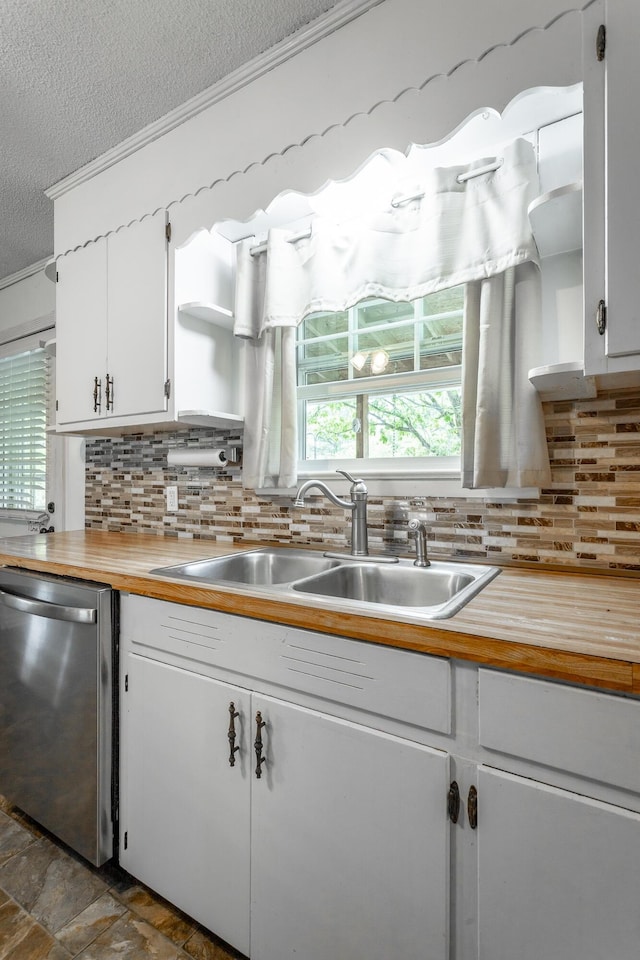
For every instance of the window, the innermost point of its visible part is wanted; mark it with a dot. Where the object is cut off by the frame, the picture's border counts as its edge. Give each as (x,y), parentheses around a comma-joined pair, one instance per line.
(382,380)
(23,436)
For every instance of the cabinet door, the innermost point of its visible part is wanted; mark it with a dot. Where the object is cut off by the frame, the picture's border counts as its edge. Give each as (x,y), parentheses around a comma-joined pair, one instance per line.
(558,873)
(81,332)
(349,842)
(623,193)
(136,354)
(185,809)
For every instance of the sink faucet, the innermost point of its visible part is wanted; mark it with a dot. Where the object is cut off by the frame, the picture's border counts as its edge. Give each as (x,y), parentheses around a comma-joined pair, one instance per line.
(418,530)
(357,504)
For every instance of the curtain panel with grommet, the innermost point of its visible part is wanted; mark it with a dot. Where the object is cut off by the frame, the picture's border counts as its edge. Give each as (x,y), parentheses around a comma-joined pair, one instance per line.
(460,225)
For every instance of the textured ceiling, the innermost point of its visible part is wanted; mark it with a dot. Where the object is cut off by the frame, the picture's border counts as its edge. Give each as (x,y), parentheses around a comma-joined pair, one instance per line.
(79,76)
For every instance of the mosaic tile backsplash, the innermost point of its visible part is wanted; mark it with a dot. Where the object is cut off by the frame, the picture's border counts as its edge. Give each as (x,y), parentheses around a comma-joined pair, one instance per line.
(589,516)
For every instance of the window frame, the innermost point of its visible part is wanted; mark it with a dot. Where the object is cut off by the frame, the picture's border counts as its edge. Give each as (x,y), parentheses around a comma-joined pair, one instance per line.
(432,378)
(14,347)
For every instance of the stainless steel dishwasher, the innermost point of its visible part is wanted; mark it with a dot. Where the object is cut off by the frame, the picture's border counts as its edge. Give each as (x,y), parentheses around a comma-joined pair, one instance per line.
(57,716)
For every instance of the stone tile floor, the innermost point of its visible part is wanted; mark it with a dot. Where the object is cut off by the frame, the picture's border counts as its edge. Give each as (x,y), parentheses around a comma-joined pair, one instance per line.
(56,906)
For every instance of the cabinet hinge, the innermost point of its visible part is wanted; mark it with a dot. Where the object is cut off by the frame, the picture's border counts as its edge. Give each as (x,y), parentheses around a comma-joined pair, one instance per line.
(56,405)
(126,683)
(167,388)
(126,840)
(601,42)
(601,317)
(167,232)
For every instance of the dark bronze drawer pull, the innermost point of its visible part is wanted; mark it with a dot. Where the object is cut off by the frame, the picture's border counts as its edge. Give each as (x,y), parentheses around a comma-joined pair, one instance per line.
(109,393)
(233,713)
(453,802)
(472,807)
(260,723)
(97,395)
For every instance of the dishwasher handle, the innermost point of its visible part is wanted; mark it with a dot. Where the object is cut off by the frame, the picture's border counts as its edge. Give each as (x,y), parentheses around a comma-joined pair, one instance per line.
(52,611)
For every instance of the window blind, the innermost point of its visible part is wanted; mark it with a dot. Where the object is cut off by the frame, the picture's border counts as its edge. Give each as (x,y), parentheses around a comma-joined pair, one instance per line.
(23,434)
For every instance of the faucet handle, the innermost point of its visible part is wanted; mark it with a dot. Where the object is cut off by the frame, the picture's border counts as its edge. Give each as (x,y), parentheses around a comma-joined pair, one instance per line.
(358,487)
(349,477)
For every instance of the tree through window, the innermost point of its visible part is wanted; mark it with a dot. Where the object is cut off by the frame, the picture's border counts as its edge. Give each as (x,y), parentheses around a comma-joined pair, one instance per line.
(382,379)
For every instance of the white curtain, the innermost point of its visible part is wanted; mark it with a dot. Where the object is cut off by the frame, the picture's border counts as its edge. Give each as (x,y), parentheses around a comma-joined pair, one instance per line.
(457,231)
(503,432)
(271,425)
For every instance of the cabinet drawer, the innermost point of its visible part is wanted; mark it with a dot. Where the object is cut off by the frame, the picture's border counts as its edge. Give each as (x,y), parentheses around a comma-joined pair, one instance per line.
(590,734)
(398,684)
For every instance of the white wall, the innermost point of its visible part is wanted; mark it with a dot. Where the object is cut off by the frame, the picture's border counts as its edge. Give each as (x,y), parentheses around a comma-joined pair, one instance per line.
(25,301)
(395,45)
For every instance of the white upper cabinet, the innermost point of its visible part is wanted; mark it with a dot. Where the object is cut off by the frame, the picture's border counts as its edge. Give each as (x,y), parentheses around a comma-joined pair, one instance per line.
(81,333)
(612,153)
(128,355)
(137,315)
(111,322)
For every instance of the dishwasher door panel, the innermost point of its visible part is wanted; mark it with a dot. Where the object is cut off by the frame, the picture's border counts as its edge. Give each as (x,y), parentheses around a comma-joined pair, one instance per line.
(55,707)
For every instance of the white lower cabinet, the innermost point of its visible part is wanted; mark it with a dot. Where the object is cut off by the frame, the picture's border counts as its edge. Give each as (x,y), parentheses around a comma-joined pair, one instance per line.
(349,842)
(326,838)
(558,873)
(186,816)
(341,846)
(558,835)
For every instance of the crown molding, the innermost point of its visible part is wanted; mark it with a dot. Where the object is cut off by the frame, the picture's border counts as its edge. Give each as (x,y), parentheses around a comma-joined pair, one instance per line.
(30,328)
(24,273)
(340,15)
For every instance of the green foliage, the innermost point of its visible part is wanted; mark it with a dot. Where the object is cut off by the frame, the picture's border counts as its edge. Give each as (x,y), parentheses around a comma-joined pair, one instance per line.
(421,424)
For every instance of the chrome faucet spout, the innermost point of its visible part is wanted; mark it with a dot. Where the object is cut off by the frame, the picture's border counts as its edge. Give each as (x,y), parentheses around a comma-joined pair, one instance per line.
(323,488)
(357,505)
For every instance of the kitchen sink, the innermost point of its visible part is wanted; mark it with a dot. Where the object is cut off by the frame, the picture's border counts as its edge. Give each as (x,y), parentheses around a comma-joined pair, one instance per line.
(434,592)
(403,586)
(257,567)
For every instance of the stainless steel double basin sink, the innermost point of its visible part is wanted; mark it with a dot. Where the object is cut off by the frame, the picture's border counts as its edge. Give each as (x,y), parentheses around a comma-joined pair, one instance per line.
(359,584)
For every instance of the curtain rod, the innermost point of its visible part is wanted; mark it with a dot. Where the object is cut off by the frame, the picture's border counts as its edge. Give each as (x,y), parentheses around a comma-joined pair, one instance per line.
(396,202)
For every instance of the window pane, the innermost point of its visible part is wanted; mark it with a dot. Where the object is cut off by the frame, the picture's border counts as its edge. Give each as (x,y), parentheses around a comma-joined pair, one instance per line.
(374,312)
(441,329)
(434,355)
(327,374)
(323,360)
(323,324)
(331,428)
(424,424)
(444,301)
(323,348)
(23,438)
(412,424)
(368,345)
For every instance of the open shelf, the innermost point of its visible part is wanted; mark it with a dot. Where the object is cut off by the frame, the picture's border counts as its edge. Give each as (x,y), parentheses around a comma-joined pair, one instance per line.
(209,418)
(563,381)
(556,220)
(210,312)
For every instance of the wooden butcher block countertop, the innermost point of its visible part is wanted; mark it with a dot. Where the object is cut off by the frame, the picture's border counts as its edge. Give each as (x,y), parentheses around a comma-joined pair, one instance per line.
(574,626)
